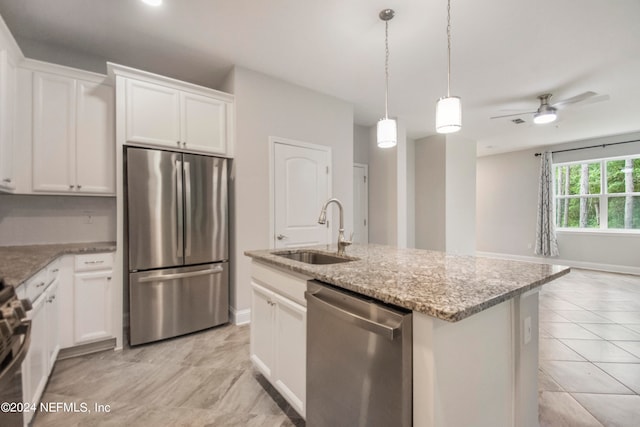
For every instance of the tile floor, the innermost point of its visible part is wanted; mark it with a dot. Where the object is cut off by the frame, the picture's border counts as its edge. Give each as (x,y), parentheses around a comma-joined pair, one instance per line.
(589,370)
(590,351)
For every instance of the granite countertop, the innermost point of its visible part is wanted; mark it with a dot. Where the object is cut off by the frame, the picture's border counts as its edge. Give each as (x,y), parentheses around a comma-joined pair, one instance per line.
(19,263)
(449,287)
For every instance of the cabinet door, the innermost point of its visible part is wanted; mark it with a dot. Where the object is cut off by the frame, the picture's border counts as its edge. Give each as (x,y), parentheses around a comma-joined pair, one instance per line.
(95,141)
(290,351)
(203,122)
(54,125)
(7,115)
(92,305)
(262,329)
(53,338)
(35,366)
(153,114)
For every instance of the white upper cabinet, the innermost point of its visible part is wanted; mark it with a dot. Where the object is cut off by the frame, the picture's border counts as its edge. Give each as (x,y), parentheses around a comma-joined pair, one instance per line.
(153,114)
(164,112)
(7,115)
(203,123)
(95,139)
(73,135)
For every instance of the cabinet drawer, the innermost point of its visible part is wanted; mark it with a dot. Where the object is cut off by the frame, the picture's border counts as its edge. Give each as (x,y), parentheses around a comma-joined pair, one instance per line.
(53,270)
(36,285)
(90,262)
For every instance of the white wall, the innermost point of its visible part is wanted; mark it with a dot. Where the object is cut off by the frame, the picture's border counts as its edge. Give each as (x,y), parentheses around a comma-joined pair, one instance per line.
(507,188)
(266,106)
(30,220)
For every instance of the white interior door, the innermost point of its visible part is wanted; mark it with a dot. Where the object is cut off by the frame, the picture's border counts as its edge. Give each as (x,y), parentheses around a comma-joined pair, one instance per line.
(360,203)
(300,187)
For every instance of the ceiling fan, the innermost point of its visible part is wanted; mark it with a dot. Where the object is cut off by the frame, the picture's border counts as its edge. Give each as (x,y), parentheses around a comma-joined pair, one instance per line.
(547,113)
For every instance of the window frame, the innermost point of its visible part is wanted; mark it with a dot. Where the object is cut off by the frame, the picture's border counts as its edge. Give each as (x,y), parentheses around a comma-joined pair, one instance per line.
(603,197)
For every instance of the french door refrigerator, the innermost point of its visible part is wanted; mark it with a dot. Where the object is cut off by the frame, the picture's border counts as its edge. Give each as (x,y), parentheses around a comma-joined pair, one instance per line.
(177,229)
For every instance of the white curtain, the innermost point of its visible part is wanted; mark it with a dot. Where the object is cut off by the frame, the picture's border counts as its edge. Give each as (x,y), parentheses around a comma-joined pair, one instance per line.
(546,243)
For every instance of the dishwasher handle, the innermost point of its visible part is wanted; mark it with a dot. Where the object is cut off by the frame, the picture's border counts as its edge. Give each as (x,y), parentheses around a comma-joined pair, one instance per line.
(386,331)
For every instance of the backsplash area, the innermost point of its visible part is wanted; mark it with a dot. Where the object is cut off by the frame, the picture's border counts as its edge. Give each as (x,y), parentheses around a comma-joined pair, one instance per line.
(29,220)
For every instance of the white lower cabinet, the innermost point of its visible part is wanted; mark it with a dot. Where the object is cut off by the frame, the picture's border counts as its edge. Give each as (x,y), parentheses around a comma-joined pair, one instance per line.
(45,342)
(92,303)
(278,331)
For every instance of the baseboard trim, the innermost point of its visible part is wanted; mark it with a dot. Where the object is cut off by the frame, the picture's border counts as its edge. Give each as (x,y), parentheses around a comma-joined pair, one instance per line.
(613,268)
(92,347)
(240,317)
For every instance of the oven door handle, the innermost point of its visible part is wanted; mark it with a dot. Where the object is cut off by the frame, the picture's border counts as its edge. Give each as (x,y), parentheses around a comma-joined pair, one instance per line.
(16,362)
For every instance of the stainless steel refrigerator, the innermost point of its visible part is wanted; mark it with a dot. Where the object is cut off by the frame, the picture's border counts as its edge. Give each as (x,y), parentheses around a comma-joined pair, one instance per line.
(177,228)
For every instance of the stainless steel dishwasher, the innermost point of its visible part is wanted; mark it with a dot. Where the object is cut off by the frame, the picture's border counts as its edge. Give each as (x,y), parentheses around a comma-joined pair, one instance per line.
(359,360)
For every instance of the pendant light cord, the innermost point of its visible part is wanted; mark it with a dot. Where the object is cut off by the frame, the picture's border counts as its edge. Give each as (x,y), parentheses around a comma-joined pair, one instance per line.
(386,70)
(448,47)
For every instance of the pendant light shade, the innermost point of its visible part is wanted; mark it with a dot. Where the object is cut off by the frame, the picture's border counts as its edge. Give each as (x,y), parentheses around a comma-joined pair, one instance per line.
(448,108)
(448,114)
(387,133)
(387,128)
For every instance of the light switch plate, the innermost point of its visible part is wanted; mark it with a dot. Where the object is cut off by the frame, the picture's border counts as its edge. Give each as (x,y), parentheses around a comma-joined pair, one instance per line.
(527,330)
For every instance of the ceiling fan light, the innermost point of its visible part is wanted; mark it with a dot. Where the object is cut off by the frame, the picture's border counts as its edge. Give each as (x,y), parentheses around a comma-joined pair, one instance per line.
(449,114)
(387,133)
(544,117)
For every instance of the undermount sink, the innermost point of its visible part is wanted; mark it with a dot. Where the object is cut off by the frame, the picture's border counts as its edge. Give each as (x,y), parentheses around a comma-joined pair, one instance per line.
(309,257)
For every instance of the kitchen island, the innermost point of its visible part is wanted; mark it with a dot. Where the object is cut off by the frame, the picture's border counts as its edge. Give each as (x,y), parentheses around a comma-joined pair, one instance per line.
(475,326)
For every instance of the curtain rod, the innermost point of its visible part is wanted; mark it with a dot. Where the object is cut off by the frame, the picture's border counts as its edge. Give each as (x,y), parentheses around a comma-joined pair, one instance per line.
(591,146)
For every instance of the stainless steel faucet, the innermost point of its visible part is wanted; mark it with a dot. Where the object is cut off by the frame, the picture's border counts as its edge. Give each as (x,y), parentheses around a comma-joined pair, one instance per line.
(342,242)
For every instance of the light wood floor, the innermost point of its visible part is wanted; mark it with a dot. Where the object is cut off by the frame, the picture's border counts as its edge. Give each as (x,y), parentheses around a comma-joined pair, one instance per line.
(589,370)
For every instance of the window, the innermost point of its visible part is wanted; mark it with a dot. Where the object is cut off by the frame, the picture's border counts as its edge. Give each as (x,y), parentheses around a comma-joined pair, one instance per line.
(598,194)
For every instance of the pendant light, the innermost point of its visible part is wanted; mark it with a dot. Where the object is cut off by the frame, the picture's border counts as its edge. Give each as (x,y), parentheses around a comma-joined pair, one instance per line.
(387,128)
(448,108)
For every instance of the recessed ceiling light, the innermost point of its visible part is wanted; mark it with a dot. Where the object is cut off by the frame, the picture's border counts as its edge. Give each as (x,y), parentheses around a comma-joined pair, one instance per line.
(153,2)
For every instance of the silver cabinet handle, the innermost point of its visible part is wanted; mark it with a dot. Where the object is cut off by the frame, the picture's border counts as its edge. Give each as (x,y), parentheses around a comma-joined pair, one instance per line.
(215,270)
(79,186)
(179,212)
(94,262)
(178,143)
(55,270)
(353,318)
(71,187)
(281,237)
(39,285)
(187,208)
(7,180)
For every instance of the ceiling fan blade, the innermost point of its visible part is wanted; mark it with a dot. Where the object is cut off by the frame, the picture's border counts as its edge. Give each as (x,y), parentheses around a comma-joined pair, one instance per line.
(593,100)
(512,115)
(574,99)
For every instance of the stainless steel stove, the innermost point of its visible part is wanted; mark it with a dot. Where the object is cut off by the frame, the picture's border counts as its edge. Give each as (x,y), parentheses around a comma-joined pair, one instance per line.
(15,332)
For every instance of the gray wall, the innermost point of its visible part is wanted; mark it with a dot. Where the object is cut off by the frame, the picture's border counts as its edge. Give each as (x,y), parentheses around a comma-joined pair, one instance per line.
(430,193)
(383,189)
(361,143)
(30,220)
(507,188)
(266,106)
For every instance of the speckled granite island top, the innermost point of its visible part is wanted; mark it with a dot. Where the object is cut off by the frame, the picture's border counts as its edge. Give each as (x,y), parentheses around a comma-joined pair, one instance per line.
(449,287)
(19,263)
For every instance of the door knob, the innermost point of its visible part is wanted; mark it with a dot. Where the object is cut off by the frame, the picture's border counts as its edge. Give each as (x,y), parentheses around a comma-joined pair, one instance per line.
(281,237)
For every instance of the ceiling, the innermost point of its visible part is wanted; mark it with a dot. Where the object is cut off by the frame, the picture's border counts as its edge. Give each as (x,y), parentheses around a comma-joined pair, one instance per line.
(504,54)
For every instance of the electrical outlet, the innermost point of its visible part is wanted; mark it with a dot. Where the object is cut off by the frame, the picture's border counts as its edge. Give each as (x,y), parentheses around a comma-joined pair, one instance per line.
(88,217)
(527,330)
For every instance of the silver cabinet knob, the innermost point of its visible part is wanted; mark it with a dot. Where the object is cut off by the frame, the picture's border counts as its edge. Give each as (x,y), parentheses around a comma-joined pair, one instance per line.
(178,143)
(7,180)
(71,186)
(281,237)
(79,187)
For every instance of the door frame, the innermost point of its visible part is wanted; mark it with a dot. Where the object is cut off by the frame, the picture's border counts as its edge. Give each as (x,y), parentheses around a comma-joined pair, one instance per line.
(273,140)
(365,166)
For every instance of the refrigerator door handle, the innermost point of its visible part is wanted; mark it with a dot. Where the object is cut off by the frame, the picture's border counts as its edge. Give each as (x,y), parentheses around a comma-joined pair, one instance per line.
(215,270)
(179,213)
(188,209)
